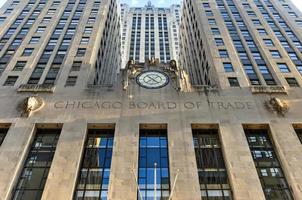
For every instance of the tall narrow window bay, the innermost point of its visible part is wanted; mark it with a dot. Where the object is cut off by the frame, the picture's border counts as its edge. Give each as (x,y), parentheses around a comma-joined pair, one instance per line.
(153,154)
(213,178)
(95,171)
(36,168)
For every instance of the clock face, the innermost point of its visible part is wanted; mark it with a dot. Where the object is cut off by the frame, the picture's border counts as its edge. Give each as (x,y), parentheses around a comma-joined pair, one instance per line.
(152,79)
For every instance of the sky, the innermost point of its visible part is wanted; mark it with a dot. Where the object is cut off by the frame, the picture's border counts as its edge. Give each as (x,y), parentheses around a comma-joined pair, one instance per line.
(165,3)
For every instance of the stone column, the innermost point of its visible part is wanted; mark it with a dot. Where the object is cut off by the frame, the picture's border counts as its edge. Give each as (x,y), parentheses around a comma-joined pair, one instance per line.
(182,157)
(13,153)
(62,177)
(122,184)
(289,150)
(239,163)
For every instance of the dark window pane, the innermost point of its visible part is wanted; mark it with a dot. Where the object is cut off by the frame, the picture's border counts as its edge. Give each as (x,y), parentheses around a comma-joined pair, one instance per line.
(269,170)
(213,178)
(34,174)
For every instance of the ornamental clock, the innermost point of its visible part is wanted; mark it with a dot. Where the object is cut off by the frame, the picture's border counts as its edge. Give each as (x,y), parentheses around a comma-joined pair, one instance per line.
(152,79)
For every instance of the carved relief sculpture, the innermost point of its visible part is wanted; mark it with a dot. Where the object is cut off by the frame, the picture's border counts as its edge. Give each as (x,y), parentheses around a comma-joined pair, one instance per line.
(277,105)
(30,105)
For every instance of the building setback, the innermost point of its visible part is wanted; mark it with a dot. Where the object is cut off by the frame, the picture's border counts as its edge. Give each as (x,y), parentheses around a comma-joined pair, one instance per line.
(150,32)
(224,123)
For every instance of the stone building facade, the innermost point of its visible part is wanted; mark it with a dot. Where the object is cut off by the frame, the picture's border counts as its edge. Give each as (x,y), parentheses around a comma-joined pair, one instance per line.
(101,140)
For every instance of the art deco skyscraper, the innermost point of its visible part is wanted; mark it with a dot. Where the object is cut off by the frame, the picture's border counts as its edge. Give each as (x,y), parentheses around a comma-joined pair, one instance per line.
(150,32)
(224,124)
(228,43)
(59,43)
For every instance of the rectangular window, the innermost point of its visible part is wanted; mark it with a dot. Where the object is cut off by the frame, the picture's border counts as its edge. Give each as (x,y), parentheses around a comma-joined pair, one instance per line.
(233,82)
(34,40)
(228,67)
(27,51)
(84,40)
(36,168)
(10,81)
(153,154)
(223,54)
(81,52)
(275,54)
(40,29)
(19,66)
(71,81)
(93,178)
(219,42)
(292,82)
(3,132)
(76,66)
(283,67)
(215,31)
(269,169)
(268,42)
(213,177)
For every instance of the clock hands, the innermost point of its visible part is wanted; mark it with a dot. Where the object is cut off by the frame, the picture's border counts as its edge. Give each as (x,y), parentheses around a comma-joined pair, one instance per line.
(153,78)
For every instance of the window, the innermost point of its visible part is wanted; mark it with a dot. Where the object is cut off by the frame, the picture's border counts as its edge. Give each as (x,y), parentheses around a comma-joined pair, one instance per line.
(91,20)
(268,42)
(206,5)
(40,29)
(209,13)
(215,31)
(27,51)
(88,30)
(283,67)
(81,52)
(3,132)
(153,150)
(19,66)
(93,178)
(223,54)
(292,82)
(76,66)
(262,32)
(213,178)
(46,20)
(228,67)
(256,22)
(17,42)
(2,19)
(35,170)
(269,169)
(275,54)
(10,81)
(71,31)
(84,40)
(71,81)
(212,21)
(233,82)
(293,56)
(219,42)
(34,40)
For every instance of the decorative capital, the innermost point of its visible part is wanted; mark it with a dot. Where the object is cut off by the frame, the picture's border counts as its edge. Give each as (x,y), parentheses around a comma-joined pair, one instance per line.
(277,106)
